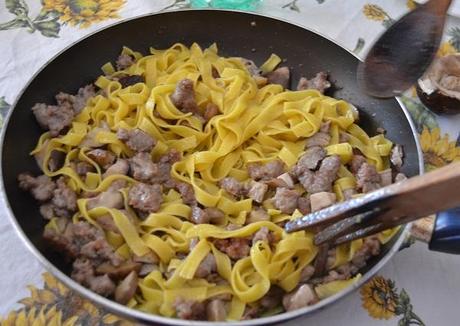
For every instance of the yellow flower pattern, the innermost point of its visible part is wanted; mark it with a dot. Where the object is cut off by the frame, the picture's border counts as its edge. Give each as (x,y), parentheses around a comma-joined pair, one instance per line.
(83,13)
(379,298)
(56,305)
(446,48)
(374,12)
(438,151)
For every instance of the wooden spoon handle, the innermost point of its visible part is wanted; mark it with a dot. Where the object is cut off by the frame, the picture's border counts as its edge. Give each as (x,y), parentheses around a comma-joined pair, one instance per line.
(424,195)
(439,7)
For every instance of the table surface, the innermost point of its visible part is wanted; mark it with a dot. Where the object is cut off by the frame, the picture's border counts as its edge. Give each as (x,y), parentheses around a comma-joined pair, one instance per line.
(423,284)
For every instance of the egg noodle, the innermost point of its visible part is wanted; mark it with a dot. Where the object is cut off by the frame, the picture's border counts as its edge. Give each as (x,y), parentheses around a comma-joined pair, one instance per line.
(254,125)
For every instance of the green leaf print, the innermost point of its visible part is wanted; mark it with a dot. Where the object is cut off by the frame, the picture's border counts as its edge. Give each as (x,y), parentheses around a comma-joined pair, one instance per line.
(292,5)
(420,114)
(17,7)
(359,45)
(454,34)
(4,107)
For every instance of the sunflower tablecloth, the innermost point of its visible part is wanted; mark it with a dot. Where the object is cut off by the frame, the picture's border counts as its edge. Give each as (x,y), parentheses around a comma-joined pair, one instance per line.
(417,287)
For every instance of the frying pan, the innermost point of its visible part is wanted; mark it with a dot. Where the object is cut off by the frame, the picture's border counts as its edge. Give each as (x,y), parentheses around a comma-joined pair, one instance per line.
(237,34)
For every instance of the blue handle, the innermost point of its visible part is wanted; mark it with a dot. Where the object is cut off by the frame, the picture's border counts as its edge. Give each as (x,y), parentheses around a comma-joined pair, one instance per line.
(446,233)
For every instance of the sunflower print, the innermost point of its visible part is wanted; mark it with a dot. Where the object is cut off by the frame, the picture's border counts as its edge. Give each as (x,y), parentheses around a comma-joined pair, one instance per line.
(411,4)
(83,13)
(381,300)
(438,151)
(377,13)
(55,304)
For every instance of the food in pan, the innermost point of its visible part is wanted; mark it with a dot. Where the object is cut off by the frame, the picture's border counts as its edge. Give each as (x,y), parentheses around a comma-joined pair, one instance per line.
(167,182)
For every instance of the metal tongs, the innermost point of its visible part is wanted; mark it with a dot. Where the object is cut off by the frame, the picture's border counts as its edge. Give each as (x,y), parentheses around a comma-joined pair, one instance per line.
(385,208)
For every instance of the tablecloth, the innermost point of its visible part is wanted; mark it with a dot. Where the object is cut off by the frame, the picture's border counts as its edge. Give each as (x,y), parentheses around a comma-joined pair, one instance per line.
(417,287)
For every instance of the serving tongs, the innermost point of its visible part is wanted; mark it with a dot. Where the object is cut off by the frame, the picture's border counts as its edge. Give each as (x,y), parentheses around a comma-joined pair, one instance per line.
(388,207)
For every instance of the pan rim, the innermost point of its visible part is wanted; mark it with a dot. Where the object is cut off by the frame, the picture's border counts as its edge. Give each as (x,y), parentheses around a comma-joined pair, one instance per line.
(151,318)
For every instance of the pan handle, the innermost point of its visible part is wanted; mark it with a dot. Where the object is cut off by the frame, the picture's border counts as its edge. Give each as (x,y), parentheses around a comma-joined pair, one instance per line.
(446,232)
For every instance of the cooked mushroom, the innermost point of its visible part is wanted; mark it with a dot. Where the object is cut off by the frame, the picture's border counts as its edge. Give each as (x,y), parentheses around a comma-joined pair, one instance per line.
(439,88)
(126,289)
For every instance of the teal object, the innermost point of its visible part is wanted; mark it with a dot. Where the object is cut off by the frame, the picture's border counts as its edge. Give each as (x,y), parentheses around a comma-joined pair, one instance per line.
(227,4)
(199,3)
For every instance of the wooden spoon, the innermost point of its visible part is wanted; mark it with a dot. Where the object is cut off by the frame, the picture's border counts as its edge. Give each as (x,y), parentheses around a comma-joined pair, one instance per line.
(403,53)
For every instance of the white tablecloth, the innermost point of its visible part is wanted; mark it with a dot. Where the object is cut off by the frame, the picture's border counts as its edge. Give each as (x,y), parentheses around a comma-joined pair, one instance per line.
(431,280)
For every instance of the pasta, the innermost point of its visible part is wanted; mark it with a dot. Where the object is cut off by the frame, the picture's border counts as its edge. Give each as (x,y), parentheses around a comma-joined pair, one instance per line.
(254,125)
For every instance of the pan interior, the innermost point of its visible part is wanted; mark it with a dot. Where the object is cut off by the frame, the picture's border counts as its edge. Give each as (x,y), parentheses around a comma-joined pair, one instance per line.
(236,34)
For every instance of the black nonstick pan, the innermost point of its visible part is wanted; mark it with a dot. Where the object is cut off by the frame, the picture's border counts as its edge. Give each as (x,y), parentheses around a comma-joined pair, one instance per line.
(237,34)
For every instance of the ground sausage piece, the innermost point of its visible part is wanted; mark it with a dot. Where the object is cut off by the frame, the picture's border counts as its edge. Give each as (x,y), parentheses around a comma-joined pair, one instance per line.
(136,139)
(319,82)
(232,186)
(303,205)
(356,163)
(82,97)
(142,167)
(53,118)
(83,273)
(235,248)
(164,170)
(47,211)
(40,187)
(189,310)
(325,176)
(211,111)
(309,160)
(319,139)
(367,178)
(267,171)
(207,266)
(397,155)
(130,80)
(102,157)
(99,251)
(286,200)
(124,61)
(82,270)
(187,193)
(183,97)
(280,76)
(81,239)
(146,198)
(215,310)
(306,178)
(199,215)
(257,191)
(303,296)
(102,285)
(64,197)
